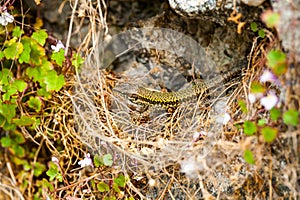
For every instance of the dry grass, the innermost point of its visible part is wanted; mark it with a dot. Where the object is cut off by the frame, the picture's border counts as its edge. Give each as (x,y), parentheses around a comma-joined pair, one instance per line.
(156,154)
(162,148)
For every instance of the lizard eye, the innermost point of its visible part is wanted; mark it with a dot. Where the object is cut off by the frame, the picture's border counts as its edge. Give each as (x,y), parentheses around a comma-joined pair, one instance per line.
(133,97)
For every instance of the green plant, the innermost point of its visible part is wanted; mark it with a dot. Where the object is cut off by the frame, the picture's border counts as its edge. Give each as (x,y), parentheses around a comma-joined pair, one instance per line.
(105,160)
(54,172)
(112,187)
(261,32)
(22,157)
(30,76)
(248,156)
(270,18)
(276,60)
(266,127)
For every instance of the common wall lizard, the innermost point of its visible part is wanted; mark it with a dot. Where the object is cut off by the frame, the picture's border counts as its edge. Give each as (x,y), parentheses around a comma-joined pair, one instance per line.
(145,96)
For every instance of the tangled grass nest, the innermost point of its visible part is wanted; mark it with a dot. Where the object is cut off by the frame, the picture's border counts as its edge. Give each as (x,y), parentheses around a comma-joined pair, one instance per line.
(175,162)
(169,152)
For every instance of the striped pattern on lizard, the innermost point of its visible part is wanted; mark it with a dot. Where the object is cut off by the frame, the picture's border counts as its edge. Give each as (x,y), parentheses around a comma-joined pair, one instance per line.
(149,97)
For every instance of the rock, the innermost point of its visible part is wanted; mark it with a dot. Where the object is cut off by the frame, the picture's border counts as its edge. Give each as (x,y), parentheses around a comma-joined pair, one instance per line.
(253,2)
(288,26)
(215,10)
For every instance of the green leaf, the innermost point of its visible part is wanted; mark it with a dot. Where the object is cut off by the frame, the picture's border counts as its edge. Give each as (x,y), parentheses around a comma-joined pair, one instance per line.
(17,32)
(48,185)
(27,166)
(38,169)
(9,127)
(103,187)
(25,55)
(13,49)
(18,137)
(110,197)
(38,195)
(269,133)
(276,60)
(120,180)
(248,156)
(35,103)
(20,161)
(11,91)
(253,26)
(59,57)
(98,161)
(5,76)
(44,93)
(40,36)
(6,141)
(37,53)
(2,120)
(291,117)
(1,55)
(261,33)
(270,18)
(18,150)
(20,85)
(52,171)
(243,106)
(280,69)
(261,122)
(107,160)
(33,52)
(8,111)
(116,188)
(37,122)
(53,81)
(256,87)
(275,114)
(24,121)
(38,73)
(249,128)
(77,60)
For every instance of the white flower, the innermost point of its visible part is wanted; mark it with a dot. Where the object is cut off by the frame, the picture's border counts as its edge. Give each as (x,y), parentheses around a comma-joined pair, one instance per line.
(252,98)
(86,161)
(197,135)
(6,18)
(54,159)
(59,45)
(268,76)
(223,118)
(152,182)
(86,191)
(190,167)
(269,101)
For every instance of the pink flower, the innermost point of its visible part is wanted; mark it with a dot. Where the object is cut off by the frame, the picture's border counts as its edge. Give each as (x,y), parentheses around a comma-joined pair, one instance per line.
(269,101)
(58,46)
(54,159)
(86,161)
(197,135)
(6,18)
(268,76)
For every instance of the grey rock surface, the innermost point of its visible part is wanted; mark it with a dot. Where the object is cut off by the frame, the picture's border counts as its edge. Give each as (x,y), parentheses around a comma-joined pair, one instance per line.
(215,10)
(288,26)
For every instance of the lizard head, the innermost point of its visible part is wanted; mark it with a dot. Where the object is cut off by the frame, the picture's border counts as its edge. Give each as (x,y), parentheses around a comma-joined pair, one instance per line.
(128,91)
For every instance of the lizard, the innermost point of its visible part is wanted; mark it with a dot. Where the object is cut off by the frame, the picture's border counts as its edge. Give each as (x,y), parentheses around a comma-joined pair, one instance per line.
(197,89)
